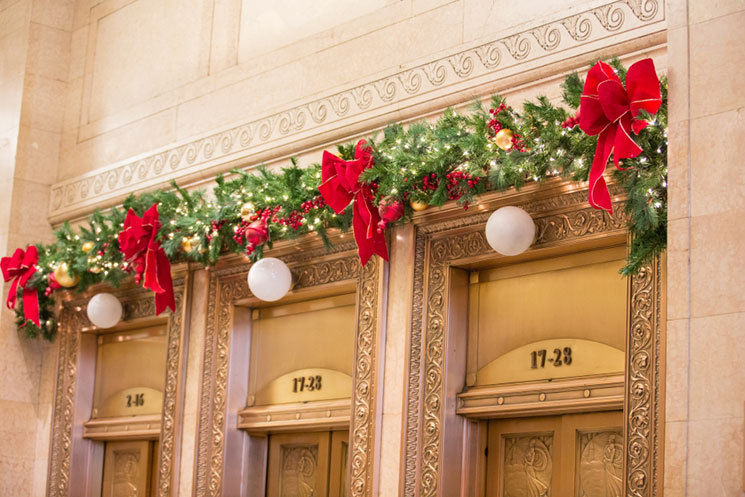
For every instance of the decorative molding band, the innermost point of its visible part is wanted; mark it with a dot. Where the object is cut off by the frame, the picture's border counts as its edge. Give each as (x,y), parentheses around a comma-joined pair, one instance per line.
(69,422)
(541,399)
(311,268)
(123,429)
(362,107)
(560,219)
(643,404)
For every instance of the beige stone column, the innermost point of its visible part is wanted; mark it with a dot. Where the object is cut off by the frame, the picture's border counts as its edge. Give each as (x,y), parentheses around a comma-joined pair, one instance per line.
(398,330)
(34,43)
(705,404)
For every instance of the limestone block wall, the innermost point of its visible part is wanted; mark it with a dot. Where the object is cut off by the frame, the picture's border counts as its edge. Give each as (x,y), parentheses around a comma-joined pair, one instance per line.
(34,48)
(706,291)
(161,90)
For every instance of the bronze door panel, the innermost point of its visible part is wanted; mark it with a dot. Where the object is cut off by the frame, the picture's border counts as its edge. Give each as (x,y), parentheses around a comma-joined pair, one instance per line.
(130,468)
(576,455)
(308,464)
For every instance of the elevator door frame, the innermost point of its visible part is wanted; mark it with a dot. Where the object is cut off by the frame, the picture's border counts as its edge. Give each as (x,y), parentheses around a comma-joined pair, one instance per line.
(440,442)
(76,452)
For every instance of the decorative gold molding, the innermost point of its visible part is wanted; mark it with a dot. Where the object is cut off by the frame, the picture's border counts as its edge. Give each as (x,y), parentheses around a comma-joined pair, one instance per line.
(643,426)
(529,49)
(312,268)
(61,436)
(561,217)
(322,415)
(132,427)
(543,399)
(138,303)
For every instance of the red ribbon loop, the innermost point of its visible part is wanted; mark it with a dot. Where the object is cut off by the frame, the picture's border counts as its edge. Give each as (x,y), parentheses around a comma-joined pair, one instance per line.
(340,185)
(609,110)
(19,268)
(138,242)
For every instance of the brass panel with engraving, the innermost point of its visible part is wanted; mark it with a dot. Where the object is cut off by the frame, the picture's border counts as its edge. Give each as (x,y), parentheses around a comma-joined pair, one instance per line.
(303,351)
(130,469)
(306,385)
(552,359)
(578,455)
(130,373)
(525,323)
(308,464)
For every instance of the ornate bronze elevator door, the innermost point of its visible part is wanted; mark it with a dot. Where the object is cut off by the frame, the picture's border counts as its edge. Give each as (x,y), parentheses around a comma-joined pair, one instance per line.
(130,468)
(308,464)
(577,455)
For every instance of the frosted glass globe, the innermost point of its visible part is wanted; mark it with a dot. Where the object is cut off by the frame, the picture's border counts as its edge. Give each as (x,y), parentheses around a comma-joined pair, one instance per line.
(269,279)
(104,310)
(510,230)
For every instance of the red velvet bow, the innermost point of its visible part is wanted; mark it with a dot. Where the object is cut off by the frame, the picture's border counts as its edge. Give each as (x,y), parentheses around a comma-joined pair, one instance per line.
(609,110)
(340,186)
(20,267)
(138,242)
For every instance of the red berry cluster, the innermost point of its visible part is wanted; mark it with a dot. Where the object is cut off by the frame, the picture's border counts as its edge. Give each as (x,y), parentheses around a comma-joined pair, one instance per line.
(429,182)
(571,121)
(494,125)
(239,232)
(215,226)
(294,220)
(315,203)
(455,184)
(518,143)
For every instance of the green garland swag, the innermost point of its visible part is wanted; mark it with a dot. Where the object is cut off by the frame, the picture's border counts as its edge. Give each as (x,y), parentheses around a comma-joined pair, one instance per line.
(453,159)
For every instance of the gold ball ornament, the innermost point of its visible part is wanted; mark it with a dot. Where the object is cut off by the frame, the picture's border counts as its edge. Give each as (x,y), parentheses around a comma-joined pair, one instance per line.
(95,269)
(87,247)
(247,210)
(504,138)
(62,276)
(189,243)
(417,205)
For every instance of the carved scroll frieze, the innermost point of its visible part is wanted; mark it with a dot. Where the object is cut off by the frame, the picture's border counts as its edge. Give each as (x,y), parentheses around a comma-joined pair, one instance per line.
(310,269)
(511,54)
(562,218)
(137,303)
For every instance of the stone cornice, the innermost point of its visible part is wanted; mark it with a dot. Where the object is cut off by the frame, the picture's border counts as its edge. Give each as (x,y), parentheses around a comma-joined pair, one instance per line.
(420,88)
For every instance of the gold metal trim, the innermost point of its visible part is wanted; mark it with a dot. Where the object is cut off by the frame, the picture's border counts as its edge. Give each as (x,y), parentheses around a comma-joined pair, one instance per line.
(324,415)
(129,428)
(543,399)
(139,310)
(562,219)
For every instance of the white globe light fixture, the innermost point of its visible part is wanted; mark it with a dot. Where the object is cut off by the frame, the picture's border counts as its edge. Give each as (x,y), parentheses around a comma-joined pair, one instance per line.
(104,310)
(269,279)
(510,230)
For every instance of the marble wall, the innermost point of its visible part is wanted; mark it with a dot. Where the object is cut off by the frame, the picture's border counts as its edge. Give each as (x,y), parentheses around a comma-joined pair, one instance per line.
(34,48)
(706,292)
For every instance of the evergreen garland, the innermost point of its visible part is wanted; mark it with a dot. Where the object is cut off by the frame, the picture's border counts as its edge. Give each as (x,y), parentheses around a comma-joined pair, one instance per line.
(454,158)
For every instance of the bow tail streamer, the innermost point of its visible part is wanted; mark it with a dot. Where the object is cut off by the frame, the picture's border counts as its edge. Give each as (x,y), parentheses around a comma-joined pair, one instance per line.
(158,278)
(365,223)
(165,298)
(599,196)
(31,306)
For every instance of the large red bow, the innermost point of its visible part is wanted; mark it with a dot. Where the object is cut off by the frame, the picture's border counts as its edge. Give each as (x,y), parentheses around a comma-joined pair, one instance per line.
(138,242)
(340,186)
(20,267)
(609,110)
